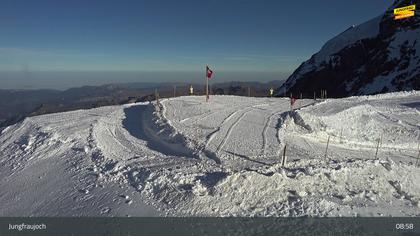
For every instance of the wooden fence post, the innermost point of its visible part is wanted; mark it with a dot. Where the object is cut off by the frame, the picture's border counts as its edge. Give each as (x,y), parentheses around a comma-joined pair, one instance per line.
(418,153)
(377,147)
(234,151)
(283,161)
(157,99)
(157,96)
(326,149)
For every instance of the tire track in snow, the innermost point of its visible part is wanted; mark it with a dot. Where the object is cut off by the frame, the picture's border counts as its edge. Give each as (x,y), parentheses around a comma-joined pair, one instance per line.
(241,108)
(228,133)
(264,135)
(206,114)
(247,109)
(200,116)
(211,136)
(266,125)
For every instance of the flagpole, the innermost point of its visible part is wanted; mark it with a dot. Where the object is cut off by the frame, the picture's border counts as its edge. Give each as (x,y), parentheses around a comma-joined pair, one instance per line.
(207,86)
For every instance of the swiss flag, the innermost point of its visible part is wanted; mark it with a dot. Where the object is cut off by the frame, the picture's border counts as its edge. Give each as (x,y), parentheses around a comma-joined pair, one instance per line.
(209,72)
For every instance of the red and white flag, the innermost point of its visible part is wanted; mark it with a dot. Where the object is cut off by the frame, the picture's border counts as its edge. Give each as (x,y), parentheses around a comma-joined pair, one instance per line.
(209,72)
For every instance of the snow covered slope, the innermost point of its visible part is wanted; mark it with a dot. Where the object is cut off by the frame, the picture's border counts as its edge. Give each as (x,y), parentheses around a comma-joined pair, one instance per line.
(380,55)
(222,158)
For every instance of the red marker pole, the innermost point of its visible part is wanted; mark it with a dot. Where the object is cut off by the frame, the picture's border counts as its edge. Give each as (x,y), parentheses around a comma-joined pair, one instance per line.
(207,88)
(209,73)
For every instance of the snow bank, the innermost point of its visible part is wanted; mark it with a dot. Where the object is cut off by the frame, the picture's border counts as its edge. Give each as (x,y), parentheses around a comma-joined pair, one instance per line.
(361,121)
(314,189)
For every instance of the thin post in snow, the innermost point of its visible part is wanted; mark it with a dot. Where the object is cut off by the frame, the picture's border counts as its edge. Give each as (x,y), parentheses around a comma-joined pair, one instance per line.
(377,146)
(249,91)
(326,149)
(157,99)
(234,151)
(418,153)
(418,149)
(157,96)
(326,94)
(300,95)
(314,95)
(291,104)
(283,161)
(207,85)
(174,90)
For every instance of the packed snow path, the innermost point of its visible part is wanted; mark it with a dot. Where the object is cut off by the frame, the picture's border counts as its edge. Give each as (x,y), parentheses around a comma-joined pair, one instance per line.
(234,132)
(221,158)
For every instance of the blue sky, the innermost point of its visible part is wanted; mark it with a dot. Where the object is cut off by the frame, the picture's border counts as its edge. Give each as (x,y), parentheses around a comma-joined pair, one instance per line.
(182,35)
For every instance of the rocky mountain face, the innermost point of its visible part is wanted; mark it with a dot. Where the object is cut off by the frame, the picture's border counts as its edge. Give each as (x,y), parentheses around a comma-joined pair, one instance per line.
(380,55)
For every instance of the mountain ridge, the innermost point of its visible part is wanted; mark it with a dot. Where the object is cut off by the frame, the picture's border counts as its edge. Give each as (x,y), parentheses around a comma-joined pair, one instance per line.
(380,55)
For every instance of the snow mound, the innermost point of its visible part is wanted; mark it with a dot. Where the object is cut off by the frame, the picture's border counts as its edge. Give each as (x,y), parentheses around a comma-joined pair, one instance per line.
(309,188)
(360,124)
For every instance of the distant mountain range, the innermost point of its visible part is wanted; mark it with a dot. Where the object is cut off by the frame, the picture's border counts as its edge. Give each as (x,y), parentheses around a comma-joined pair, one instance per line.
(15,105)
(380,55)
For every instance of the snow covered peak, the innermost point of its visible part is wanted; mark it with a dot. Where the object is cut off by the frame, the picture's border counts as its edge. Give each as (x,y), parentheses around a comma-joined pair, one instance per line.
(368,29)
(380,55)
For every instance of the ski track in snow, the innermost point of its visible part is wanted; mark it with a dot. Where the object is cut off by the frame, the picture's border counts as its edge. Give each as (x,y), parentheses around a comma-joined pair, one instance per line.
(219,158)
(264,132)
(229,131)
(216,132)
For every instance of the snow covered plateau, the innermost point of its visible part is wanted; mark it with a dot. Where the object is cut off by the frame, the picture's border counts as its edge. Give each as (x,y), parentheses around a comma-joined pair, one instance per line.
(186,157)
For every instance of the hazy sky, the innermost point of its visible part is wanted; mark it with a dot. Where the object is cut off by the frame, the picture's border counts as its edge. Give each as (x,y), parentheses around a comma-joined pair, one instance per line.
(269,36)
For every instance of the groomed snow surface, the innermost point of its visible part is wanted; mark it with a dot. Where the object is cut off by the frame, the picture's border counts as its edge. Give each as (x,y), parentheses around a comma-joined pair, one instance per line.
(186,157)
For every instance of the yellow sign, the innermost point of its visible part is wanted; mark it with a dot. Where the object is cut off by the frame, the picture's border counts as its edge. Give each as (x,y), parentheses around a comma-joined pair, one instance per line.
(402,16)
(404,12)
